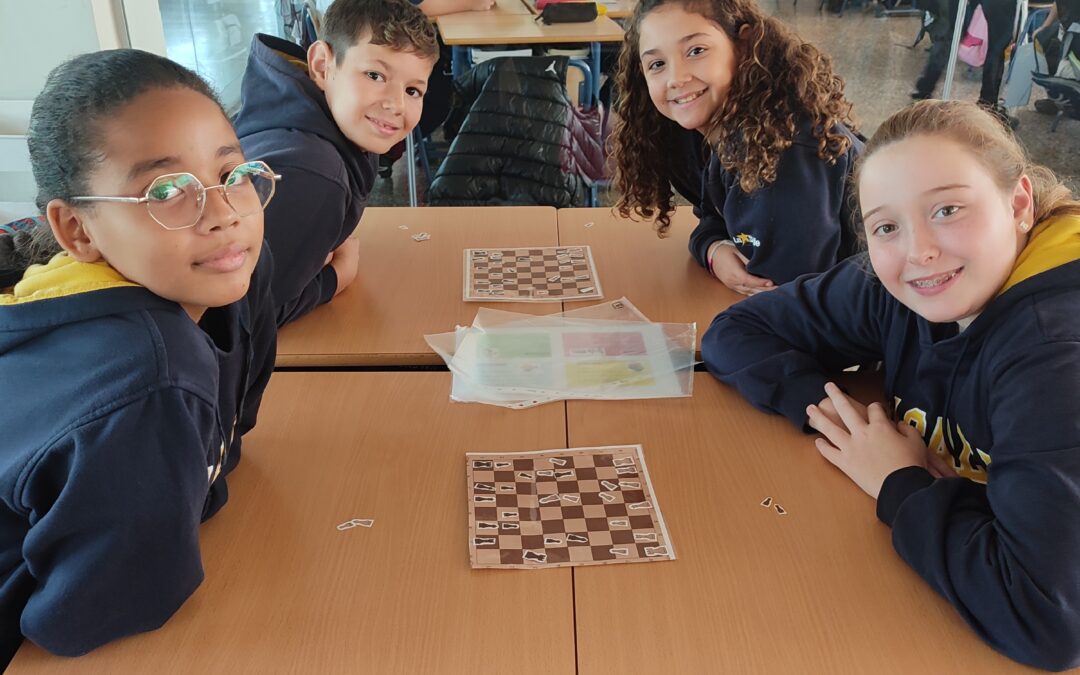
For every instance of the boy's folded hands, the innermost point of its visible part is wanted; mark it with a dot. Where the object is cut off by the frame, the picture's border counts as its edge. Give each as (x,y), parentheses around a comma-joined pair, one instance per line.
(345,260)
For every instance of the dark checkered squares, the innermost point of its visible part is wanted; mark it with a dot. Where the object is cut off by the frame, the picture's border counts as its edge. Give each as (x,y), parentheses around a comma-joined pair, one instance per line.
(533,274)
(566,507)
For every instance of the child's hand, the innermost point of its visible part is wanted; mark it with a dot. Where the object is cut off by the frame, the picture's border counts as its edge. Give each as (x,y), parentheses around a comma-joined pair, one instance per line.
(827,408)
(345,260)
(729,266)
(938,466)
(866,447)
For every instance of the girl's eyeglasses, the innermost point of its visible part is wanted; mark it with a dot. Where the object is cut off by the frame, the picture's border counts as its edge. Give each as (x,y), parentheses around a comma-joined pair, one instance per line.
(176,200)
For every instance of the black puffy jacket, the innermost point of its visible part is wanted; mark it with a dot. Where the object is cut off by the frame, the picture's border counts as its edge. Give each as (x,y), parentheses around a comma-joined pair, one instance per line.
(522,141)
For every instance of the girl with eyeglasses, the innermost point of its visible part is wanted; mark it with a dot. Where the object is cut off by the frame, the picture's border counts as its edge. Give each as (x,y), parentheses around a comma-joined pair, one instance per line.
(132,361)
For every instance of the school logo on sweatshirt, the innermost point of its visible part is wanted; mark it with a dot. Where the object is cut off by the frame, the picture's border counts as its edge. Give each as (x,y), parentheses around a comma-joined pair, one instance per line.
(744,239)
(947,439)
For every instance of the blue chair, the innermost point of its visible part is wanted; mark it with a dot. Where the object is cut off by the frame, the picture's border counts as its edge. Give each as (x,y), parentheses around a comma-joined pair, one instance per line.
(311,22)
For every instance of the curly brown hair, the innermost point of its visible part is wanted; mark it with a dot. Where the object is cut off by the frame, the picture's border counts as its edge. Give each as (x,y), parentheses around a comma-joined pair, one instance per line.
(780,81)
(397,24)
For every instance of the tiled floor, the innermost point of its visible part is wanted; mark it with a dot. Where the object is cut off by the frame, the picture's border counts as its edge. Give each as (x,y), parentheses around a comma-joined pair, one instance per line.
(873,56)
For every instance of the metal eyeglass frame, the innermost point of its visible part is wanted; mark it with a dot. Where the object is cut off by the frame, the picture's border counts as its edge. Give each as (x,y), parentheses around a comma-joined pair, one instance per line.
(201,191)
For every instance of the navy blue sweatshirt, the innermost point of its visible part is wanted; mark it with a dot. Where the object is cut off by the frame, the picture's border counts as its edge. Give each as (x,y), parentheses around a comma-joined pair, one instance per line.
(1001,542)
(121,418)
(802,222)
(285,121)
(689,158)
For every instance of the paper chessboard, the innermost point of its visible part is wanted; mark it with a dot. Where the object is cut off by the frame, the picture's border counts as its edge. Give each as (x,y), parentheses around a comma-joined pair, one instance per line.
(538,274)
(555,508)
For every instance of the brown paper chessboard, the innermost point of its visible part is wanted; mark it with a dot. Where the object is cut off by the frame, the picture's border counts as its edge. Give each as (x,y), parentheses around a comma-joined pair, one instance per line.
(555,508)
(537,274)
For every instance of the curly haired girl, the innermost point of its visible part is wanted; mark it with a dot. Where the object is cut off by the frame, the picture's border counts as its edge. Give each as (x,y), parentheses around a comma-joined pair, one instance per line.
(774,199)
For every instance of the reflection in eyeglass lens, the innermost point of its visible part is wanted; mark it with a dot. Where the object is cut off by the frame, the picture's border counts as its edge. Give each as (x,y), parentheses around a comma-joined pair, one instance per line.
(176,200)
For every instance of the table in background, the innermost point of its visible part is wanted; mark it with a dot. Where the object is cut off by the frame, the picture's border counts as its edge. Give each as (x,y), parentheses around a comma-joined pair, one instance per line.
(658,276)
(493,27)
(509,7)
(614,9)
(819,590)
(406,289)
(620,9)
(285,591)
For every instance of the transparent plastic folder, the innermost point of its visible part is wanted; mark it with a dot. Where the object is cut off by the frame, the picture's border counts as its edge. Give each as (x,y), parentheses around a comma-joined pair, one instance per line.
(607,351)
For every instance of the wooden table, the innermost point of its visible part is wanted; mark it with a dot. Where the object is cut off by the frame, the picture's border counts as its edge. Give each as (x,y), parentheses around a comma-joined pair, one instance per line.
(658,275)
(285,591)
(382,318)
(509,7)
(467,29)
(819,590)
(407,289)
(495,27)
(614,9)
(620,9)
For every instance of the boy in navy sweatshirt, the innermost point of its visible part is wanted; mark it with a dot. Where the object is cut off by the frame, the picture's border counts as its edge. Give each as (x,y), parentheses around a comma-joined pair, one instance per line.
(321,119)
(973,307)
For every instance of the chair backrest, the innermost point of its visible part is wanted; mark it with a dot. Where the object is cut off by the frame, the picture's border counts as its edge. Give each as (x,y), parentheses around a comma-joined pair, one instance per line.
(311,18)
(1071,33)
(1035,19)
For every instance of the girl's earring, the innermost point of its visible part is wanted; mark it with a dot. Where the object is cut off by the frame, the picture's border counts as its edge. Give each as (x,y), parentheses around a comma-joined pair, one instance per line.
(1024,227)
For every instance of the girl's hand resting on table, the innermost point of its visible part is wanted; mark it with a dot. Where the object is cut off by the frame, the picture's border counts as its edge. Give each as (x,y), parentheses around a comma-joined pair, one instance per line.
(862,441)
(729,266)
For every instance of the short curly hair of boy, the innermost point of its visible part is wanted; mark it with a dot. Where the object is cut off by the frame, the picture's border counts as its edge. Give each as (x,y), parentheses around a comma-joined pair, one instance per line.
(397,24)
